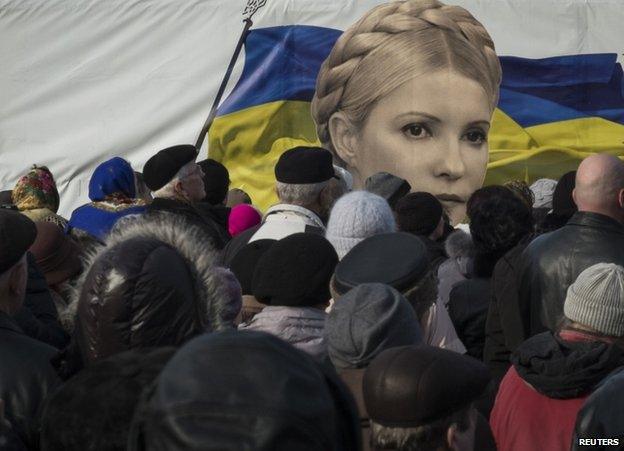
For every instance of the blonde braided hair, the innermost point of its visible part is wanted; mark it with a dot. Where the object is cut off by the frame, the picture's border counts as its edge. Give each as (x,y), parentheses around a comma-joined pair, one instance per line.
(451,36)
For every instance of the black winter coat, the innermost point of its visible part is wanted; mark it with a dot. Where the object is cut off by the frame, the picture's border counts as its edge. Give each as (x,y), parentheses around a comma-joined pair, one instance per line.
(552,262)
(26,378)
(509,322)
(468,306)
(38,317)
(212,219)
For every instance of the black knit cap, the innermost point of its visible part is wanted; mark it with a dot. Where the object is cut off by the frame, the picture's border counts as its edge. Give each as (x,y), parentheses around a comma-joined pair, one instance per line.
(162,167)
(245,261)
(216,181)
(397,259)
(295,271)
(388,186)
(418,213)
(17,234)
(412,386)
(302,165)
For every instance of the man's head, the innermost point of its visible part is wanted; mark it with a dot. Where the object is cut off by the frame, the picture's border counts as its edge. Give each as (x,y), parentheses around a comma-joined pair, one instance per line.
(172,173)
(600,186)
(420,214)
(17,234)
(216,181)
(305,177)
(420,397)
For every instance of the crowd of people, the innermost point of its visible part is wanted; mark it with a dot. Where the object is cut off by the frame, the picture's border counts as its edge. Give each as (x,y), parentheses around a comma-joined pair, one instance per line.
(171,313)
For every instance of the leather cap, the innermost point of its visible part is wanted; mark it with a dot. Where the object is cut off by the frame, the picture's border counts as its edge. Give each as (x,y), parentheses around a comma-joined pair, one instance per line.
(162,167)
(57,256)
(397,259)
(411,386)
(302,165)
(245,390)
(17,234)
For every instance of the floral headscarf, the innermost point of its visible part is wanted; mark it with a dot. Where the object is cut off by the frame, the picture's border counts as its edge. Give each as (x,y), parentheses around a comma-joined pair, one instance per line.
(36,189)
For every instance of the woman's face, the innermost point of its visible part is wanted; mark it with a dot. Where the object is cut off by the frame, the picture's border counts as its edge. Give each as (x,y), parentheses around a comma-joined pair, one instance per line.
(431,131)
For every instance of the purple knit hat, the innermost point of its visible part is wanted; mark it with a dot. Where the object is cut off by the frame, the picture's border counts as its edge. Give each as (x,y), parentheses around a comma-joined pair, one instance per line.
(242,217)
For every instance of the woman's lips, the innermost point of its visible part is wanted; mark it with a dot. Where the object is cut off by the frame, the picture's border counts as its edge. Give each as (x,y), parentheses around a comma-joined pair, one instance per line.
(444,197)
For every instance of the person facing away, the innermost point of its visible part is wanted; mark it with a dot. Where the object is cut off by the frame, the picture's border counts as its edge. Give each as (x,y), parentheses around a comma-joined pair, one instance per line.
(307,187)
(292,280)
(234,390)
(113,193)
(356,216)
(400,260)
(361,324)
(554,372)
(155,283)
(421,398)
(594,234)
(26,374)
(177,185)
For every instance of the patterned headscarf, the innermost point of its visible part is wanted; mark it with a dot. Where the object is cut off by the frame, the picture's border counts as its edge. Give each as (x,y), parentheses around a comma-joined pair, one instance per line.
(36,189)
(112,180)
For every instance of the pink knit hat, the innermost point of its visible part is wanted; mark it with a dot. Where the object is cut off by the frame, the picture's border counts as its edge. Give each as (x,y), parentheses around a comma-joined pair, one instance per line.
(243,217)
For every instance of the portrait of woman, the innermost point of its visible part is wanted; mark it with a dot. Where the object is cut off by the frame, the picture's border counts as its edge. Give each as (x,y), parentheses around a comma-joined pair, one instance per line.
(410,89)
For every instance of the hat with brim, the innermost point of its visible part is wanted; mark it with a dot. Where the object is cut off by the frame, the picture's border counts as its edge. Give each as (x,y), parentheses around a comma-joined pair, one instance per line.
(55,253)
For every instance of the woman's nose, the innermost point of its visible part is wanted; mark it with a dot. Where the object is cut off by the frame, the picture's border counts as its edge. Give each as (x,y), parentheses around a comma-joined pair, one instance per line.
(450,163)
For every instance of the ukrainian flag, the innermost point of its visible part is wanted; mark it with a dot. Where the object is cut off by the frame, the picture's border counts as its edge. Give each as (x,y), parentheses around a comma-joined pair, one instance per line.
(552,112)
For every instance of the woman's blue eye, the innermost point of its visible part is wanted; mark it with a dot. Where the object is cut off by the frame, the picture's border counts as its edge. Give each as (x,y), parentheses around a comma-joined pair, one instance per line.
(416,130)
(476,137)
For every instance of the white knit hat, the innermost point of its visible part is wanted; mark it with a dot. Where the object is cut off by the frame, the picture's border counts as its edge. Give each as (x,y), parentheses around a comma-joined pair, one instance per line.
(356,216)
(543,190)
(596,299)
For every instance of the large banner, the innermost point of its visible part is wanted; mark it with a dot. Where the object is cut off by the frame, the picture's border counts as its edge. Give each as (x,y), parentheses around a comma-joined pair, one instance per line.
(84,80)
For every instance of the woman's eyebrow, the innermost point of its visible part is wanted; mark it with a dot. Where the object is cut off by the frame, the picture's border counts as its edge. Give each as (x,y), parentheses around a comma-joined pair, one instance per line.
(420,114)
(475,123)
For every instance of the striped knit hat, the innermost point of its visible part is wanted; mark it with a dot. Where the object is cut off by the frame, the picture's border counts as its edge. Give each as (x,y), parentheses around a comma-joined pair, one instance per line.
(596,299)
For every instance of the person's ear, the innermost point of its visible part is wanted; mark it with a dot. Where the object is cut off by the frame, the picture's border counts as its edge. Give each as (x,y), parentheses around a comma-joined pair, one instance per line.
(451,437)
(574,196)
(179,189)
(621,198)
(344,138)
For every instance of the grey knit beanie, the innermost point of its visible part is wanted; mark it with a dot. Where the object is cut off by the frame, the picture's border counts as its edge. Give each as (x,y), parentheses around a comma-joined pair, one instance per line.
(356,216)
(543,190)
(367,320)
(596,299)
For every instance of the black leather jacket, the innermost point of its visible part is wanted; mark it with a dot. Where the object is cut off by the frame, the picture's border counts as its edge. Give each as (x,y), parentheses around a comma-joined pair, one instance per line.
(26,377)
(552,262)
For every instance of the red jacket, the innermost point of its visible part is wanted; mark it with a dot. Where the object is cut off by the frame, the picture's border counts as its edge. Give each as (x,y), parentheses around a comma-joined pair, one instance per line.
(525,420)
(564,369)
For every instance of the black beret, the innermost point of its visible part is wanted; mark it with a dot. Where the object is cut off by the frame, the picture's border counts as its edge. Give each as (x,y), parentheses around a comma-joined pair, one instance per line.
(397,259)
(162,167)
(216,181)
(295,271)
(245,260)
(17,234)
(411,386)
(388,186)
(418,213)
(302,165)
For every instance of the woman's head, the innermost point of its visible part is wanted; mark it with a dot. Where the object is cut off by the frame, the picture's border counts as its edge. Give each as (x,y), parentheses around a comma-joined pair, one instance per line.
(410,89)
(113,178)
(37,189)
